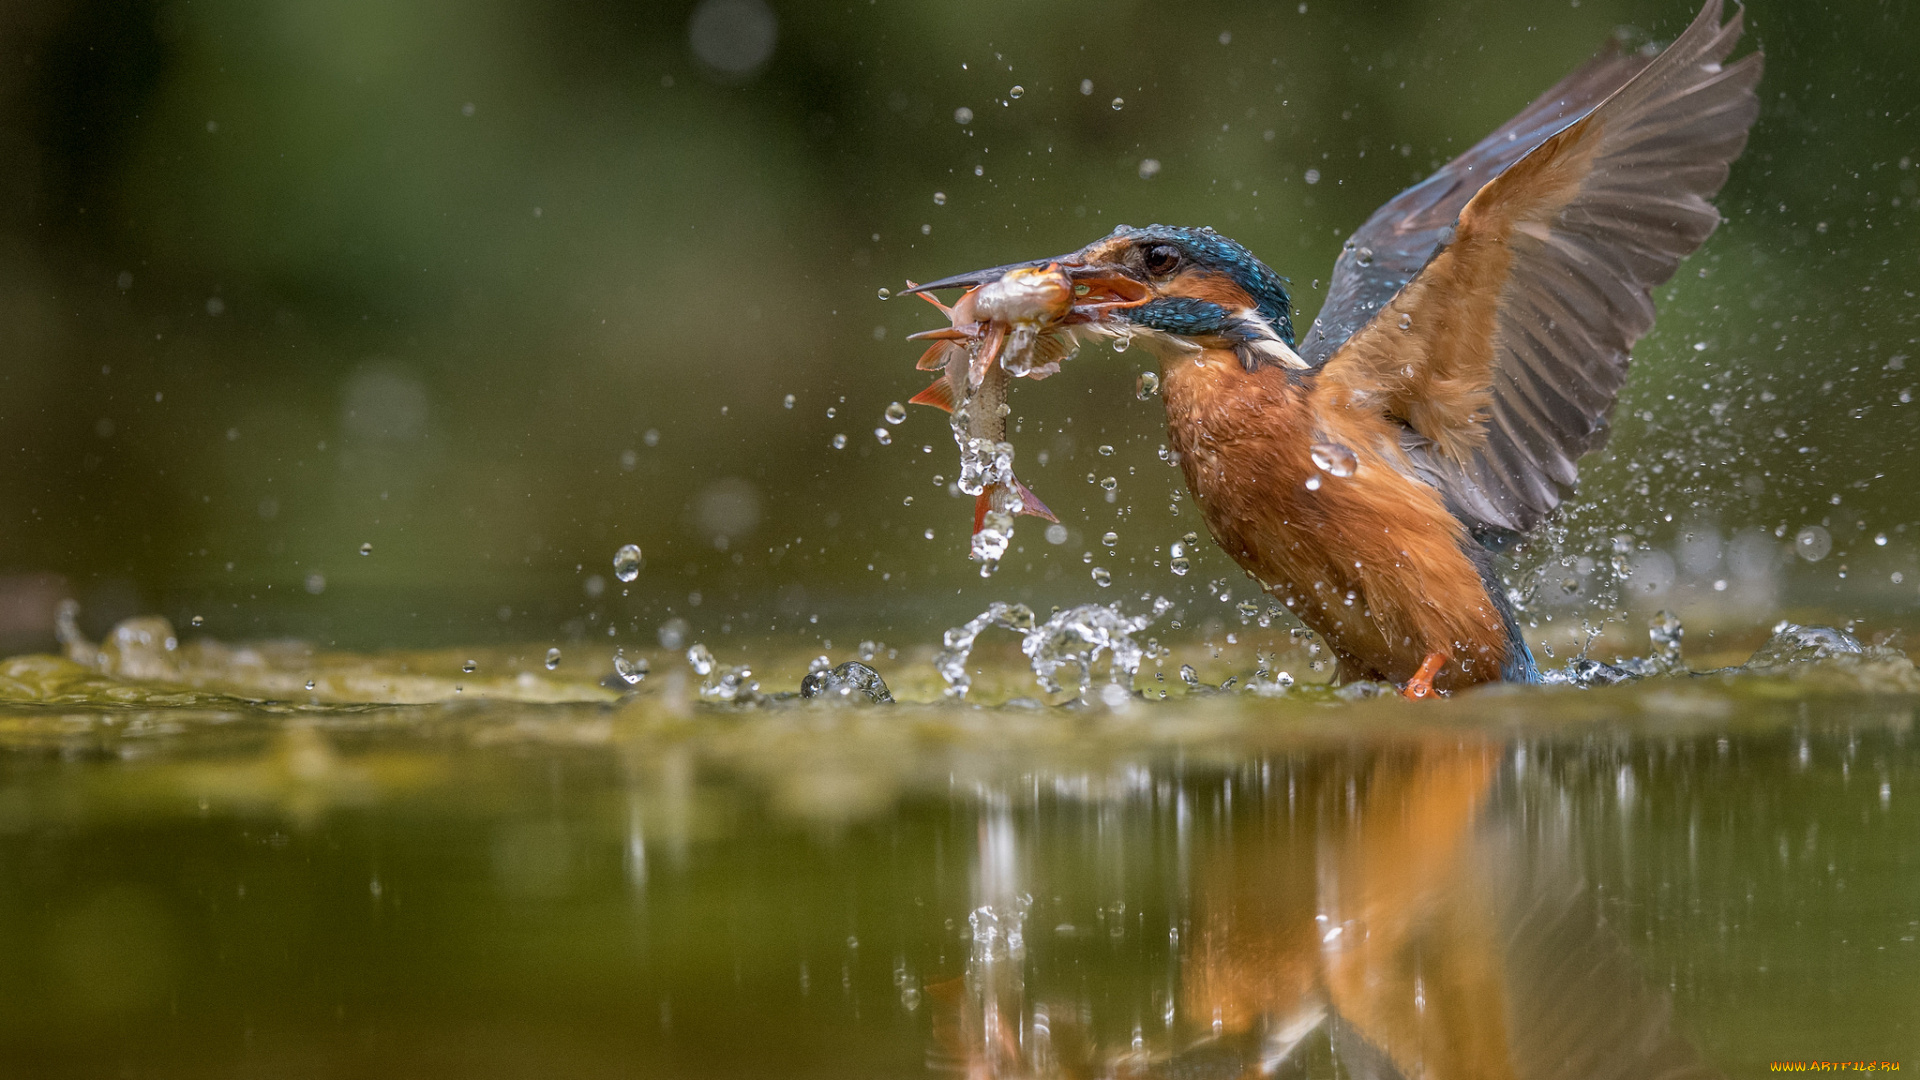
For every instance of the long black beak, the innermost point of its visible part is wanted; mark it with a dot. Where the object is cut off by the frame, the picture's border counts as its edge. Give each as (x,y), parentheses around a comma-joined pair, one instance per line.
(980,277)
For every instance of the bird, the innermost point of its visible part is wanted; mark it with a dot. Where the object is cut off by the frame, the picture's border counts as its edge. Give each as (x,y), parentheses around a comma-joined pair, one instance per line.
(1473,343)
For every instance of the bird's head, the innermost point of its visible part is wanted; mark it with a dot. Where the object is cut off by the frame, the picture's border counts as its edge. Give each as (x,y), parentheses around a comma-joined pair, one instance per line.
(1204,291)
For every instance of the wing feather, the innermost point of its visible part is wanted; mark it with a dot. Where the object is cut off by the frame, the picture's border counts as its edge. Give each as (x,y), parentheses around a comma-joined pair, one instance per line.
(1505,352)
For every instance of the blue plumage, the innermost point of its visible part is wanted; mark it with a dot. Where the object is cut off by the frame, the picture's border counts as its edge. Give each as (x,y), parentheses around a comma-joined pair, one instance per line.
(1211,251)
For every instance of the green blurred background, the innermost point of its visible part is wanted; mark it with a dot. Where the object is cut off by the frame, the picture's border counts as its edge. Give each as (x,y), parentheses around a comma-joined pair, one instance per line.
(496,286)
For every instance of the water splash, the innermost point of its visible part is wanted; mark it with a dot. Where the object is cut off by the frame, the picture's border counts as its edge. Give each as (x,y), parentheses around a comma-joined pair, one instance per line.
(852,682)
(1070,640)
(720,682)
(631,670)
(1792,643)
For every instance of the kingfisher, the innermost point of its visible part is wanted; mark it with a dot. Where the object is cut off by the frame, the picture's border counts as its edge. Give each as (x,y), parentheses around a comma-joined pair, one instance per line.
(1473,343)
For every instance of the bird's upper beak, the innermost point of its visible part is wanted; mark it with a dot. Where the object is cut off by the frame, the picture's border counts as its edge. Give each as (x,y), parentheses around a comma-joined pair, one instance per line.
(1069,263)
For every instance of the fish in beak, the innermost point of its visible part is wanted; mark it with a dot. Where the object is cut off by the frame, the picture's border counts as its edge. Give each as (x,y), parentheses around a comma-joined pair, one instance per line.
(1013,321)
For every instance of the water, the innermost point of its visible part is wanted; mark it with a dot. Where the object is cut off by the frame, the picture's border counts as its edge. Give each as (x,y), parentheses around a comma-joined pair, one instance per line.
(206,873)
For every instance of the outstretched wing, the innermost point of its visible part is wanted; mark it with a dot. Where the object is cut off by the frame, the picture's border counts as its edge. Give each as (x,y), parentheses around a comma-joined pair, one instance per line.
(1385,253)
(1503,354)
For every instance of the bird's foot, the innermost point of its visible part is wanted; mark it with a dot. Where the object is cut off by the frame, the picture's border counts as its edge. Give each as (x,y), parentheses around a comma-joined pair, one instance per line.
(1421,685)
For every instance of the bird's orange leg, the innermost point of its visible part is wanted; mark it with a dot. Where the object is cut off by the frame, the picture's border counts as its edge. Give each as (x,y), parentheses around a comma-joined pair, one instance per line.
(1421,685)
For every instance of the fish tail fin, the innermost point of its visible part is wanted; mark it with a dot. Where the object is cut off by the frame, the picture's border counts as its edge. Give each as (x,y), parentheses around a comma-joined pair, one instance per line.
(1029,504)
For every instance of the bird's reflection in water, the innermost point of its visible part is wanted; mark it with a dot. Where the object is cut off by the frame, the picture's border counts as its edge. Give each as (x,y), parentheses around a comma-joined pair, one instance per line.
(1416,911)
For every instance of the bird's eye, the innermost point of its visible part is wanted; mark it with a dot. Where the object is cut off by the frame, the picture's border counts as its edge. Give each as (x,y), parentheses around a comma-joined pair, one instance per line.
(1160,258)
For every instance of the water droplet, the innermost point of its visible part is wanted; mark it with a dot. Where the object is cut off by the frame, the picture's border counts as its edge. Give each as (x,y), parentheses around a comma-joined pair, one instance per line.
(1334,459)
(789,399)
(198,620)
(883,436)
(939,198)
(1313,176)
(632,670)
(627,562)
(963,115)
(1406,322)
(1101,577)
(1017,92)
(839,442)
(1056,534)
(1146,386)
(1110,539)
(366,549)
(832,412)
(1123,341)
(310,684)
(553,659)
(469,667)
(1812,543)
(1119,103)
(1106,450)
(1313,483)
(1364,256)
(928,534)
(1179,566)
(896,413)
(1879,539)
(1192,540)
(1109,483)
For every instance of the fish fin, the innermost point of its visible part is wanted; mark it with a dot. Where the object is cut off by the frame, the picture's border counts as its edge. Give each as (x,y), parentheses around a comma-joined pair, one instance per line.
(935,357)
(1031,503)
(939,395)
(945,333)
(986,355)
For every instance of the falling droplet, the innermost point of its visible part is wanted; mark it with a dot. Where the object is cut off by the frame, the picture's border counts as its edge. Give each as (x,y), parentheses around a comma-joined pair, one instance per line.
(1146,386)
(469,667)
(1406,321)
(366,549)
(310,684)
(1017,92)
(1119,103)
(1313,483)
(1879,539)
(1123,341)
(1110,483)
(885,293)
(1364,256)
(1179,566)
(883,436)
(896,413)
(839,442)
(1101,577)
(1106,450)
(1334,459)
(939,198)
(928,534)
(198,620)
(1812,543)
(627,562)
(553,659)
(1110,539)
(789,399)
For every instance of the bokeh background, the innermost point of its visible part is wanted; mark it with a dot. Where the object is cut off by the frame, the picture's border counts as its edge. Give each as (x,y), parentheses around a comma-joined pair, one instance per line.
(488,288)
